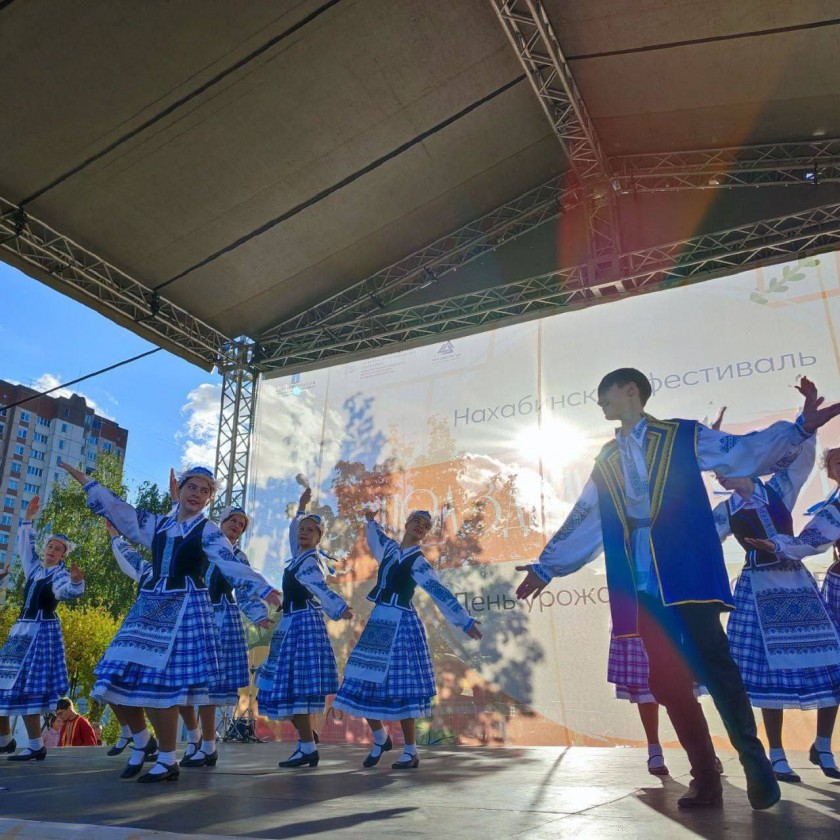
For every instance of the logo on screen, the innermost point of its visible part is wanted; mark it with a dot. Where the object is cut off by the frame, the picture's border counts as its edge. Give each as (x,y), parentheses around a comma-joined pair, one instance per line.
(446,349)
(295,379)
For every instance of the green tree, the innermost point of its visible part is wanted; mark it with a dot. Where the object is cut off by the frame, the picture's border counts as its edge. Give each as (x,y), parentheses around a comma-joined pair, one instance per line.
(67,512)
(87,631)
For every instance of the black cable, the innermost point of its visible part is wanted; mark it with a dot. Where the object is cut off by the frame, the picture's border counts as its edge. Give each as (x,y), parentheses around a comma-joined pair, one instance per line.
(325,193)
(183,100)
(80,379)
(712,39)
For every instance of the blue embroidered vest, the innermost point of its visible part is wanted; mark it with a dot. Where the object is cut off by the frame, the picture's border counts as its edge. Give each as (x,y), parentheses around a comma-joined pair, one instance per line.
(186,560)
(747,523)
(395,584)
(38,596)
(687,556)
(296,596)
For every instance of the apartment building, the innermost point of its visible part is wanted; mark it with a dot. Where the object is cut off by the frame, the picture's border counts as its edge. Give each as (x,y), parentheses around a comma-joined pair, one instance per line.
(34,438)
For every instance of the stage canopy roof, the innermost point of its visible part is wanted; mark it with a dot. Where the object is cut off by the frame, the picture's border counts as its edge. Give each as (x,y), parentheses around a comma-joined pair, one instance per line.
(336,179)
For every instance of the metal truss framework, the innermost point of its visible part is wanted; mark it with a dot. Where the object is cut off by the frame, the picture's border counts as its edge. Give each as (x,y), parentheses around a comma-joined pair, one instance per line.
(529,30)
(781,164)
(651,269)
(240,385)
(76,268)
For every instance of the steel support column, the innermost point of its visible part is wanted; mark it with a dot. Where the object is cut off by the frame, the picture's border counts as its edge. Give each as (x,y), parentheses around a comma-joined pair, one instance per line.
(240,384)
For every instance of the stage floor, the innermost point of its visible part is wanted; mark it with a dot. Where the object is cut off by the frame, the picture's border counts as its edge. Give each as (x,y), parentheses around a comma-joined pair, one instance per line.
(461,792)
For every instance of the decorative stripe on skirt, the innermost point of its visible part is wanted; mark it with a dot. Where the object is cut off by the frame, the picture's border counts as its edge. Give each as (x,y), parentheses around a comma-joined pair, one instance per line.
(300,669)
(409,686)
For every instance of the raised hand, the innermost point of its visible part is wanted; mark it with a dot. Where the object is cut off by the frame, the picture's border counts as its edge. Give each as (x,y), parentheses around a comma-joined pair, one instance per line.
(76,574)
(173,485)
(532,585)
(112,531)
(370,515)
(5,571)
(761,545)
(474,632)
(716,424)
(77,474)
(814,413)
(305,498)
(32,508)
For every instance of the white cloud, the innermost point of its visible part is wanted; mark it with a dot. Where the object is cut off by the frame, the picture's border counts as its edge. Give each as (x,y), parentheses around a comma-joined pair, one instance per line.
(288,435)
(47,381)
(201,428)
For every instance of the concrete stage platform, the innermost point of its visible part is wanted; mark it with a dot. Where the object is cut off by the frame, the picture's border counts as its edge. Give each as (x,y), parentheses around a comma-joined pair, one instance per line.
(461,792)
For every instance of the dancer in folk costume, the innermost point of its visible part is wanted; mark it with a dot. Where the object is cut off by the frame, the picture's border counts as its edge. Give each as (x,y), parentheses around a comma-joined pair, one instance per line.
(389,675)
(33,671)
(166,653)
(300,669)
(133,565)
(781,635)
(233,671)
(820,534)
(645,494)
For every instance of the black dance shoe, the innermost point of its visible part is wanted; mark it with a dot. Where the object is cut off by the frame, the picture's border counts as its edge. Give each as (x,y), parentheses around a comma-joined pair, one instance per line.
(372,760)
(411,763)
(9,748)
(662,770)
(814,756)
(115,750)
(29,755)
(300,759)
(149,754)
(171,774)
(706,795)
(201,759)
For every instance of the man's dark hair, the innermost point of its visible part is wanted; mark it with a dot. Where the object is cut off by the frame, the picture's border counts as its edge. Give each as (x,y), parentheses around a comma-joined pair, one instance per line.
(624,376)
(64,703)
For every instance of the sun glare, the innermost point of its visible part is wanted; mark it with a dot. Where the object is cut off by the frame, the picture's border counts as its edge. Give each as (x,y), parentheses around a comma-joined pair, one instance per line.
(555,441)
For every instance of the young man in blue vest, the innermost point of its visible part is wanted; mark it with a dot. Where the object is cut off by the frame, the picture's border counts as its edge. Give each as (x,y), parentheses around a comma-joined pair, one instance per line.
(647,508)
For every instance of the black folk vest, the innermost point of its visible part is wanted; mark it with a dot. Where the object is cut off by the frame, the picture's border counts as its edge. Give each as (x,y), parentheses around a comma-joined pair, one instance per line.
(747,523)
(186,560)
(395,584)
(38,596)
(296,596)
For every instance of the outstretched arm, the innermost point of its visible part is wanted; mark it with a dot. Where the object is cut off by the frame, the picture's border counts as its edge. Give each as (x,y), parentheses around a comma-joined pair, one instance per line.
(137,525)
(29,558)
(240,575)
(378,541)
(131,562)
(425,576)
(68,584)
(578,542)
(311,576)
(251,606)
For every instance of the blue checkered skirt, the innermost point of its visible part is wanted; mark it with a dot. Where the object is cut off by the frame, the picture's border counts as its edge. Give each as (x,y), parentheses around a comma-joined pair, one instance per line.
(628,670)
(300,670)
(789,688)
(409,686)
(831,596)
(233,664)
(43,675)
(192,668)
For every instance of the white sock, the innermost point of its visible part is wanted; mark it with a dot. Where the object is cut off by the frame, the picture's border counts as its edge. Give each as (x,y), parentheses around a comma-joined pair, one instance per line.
(142,738)
(194,736)
(208,747)
(380,736)
(410,749)
(164,758)
(5,740)
(655,757)
(307,747)
(779,760)
(36,744)
(125,732)
(823,745)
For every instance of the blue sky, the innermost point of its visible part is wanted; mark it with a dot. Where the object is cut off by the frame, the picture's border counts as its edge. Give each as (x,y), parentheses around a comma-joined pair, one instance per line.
(45,334)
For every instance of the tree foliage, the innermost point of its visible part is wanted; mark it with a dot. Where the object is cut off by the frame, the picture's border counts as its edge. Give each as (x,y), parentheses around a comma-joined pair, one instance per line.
(67,512)
(87,631)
